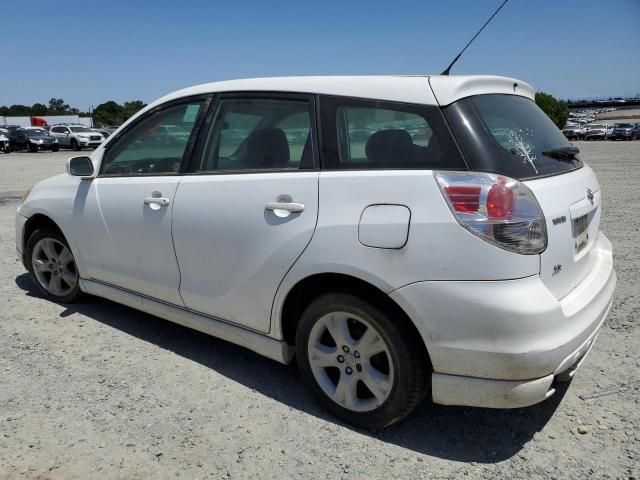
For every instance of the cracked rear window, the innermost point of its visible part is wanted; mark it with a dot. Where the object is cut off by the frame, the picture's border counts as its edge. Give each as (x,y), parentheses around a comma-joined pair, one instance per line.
(510,135)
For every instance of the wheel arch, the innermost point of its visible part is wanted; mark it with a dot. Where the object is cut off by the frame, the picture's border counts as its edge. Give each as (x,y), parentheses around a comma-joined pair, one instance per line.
(311,287)
(36,221)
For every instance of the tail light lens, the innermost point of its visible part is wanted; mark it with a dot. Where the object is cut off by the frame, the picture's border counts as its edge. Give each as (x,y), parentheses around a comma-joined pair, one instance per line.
(498,209)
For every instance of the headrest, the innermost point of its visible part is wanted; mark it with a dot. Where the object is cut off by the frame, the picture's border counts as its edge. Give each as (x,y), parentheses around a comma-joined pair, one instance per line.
(267,148)
(389,146)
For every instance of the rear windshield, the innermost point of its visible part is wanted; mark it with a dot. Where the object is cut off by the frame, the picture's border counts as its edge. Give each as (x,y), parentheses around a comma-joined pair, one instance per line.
(509,135)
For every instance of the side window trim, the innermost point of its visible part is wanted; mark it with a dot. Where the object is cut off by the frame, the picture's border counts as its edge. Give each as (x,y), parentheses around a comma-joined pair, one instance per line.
(192,167)
(189,149)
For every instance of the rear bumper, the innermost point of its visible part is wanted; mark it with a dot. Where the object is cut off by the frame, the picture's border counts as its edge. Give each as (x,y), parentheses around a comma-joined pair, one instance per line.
(501,344)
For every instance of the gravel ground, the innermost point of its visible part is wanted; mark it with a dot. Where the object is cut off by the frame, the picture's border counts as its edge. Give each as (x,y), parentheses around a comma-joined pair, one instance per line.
(101,390)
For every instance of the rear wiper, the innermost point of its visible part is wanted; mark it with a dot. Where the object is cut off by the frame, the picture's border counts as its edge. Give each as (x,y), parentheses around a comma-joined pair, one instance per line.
(562,153)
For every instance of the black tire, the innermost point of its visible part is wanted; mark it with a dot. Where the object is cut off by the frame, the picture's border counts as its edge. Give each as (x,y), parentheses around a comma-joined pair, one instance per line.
(75,145)
(49,233)
(411,367)
(55,149)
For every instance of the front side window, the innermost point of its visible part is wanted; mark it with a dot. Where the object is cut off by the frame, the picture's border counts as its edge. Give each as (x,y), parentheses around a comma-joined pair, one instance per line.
(259,134)
(370,135)
(155,144)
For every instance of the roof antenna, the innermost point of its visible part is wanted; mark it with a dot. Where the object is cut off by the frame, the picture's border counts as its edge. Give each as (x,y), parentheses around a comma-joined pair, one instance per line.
(446,72)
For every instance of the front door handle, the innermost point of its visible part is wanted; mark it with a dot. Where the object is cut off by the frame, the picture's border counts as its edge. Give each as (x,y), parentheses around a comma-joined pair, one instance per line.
(162,201)
(291,207)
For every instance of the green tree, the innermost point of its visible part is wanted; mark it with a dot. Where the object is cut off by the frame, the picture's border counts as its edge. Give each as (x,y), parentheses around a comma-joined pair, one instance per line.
(18,111)
(131,108)
(58,107)
(557,111)
(39,109)
(108,113)
(112,113)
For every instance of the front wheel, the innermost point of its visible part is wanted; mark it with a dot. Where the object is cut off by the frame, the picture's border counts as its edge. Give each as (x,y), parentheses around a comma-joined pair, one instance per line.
(363,366)
(75,145)
(53,266)
(55,149)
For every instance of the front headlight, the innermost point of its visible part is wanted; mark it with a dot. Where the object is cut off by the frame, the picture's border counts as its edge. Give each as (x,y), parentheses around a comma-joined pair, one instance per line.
(32,140)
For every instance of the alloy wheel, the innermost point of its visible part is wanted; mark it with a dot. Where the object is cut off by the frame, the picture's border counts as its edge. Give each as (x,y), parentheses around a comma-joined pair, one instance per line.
(350,361)
(54,267)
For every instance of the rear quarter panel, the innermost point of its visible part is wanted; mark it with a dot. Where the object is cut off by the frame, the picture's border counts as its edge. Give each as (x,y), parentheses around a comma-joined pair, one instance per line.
(437,248)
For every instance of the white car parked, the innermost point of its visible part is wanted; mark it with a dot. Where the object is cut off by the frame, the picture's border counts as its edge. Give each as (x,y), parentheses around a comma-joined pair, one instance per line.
(76,137)
(400,236)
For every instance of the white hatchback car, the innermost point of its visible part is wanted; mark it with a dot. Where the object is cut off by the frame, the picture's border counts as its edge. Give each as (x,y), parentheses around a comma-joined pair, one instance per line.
(400,236)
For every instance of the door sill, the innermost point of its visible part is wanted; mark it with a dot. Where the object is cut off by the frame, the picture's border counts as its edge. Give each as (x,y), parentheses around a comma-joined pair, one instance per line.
(277,350)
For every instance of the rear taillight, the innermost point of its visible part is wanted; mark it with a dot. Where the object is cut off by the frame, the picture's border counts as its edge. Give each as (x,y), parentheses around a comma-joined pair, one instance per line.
(498,209)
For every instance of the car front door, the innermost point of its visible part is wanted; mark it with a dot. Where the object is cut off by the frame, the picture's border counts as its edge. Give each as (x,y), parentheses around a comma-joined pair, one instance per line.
(123,217)
(248,207)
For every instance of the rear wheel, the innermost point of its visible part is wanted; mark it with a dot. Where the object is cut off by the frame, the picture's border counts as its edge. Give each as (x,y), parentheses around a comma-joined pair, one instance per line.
(361,364)
(52,265)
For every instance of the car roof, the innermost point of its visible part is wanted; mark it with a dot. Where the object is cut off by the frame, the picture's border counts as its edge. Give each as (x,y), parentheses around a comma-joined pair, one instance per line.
(421,89)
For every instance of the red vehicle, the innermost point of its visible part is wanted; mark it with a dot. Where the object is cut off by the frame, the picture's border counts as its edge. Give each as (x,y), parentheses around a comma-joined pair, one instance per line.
(39,122)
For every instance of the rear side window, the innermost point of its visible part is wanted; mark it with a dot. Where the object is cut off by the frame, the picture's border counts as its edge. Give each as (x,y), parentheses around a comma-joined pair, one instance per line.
(370,135)
(509,135)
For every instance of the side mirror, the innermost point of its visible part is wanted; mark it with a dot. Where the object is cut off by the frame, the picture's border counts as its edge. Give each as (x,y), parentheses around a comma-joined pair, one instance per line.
(80,167)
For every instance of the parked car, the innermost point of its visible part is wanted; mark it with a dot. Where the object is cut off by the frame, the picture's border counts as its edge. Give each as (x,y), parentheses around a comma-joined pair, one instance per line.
(469,267)
(4,141)
(597,131)
(105,133)
(76,137)
(32,139)
(625,131)
(574,132)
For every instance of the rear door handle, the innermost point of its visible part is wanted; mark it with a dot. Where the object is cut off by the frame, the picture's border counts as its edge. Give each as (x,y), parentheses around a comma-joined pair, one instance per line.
(162,201)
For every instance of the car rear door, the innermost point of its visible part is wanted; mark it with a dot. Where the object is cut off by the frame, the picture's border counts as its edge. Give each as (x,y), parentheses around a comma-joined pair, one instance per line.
(123,217)
(248,208)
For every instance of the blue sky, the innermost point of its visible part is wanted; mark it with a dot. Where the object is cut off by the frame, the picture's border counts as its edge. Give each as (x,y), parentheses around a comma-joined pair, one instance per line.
(88,52)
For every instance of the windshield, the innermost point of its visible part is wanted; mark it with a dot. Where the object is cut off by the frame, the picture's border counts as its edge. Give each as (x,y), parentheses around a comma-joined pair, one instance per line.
(80,129)
(36,133)
(509,135)
(624,125)
(592,127)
